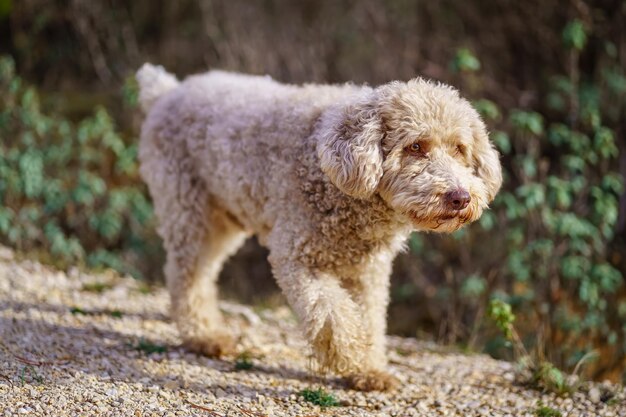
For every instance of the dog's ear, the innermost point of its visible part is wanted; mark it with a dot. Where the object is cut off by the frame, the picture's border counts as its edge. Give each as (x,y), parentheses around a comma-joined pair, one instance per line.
(486,159)
(349,148)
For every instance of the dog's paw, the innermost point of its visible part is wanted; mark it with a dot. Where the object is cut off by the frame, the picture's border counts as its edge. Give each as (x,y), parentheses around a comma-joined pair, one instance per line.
(373,381)
(214,346)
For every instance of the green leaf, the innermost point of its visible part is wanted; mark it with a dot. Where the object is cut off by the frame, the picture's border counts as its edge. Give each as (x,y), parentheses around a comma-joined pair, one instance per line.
(502,315)
(574,35)
(6,219)
(613,183)
(527,121)
(31,170)
(130,91)
(608,277)
(604,143)
(518,266)
(473,286)
(487,109)
(575,267)
(528,165)
(319,397)
(487,221)
(502,141)
(465,61)
(7,67)
(533,195)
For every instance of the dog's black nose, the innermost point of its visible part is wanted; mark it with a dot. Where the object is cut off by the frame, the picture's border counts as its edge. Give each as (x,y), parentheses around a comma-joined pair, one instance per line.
(457,199)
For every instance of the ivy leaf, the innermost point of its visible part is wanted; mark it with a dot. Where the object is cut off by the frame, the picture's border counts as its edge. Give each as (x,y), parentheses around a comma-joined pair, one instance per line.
(473,286)
(527,121)
(502,141)
(574,35)
(465,61)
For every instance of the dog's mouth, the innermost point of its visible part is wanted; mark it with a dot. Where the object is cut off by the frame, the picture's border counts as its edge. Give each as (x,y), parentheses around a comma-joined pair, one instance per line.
(448,221)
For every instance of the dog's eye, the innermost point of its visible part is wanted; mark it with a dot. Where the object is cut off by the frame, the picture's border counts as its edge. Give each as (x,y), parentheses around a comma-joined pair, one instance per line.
(415,149)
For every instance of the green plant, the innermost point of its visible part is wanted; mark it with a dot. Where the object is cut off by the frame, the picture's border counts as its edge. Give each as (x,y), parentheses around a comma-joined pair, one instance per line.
(149,347)
(71,190)
(32,372)
(78,311)
(244,361)
(465,60)
(547,376)
(97,287)
(319,397)
(613,402)
(542,374)
(545,411)
(116,314)
(502,315)
(113,313)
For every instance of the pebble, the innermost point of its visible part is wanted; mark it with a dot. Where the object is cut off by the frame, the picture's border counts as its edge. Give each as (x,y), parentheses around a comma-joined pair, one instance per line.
(171,385)
(594,395)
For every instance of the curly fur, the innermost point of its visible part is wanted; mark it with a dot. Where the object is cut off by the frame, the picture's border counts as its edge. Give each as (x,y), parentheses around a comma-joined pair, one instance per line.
(321,174)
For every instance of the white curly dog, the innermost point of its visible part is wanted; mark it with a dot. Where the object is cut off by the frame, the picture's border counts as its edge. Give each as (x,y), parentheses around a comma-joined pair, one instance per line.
(332,179)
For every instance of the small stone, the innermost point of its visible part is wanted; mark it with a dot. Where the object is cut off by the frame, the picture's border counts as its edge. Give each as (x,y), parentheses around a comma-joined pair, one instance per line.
(595,395)
(171,385)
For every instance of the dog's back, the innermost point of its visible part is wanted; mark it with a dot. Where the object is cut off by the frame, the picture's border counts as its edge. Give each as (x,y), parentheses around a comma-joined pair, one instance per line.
(241,134)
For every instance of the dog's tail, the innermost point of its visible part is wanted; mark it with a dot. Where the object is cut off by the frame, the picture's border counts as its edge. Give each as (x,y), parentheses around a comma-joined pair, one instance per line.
(153,81)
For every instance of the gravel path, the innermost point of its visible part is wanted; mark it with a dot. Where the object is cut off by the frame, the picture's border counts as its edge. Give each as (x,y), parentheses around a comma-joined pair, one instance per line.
(79,345)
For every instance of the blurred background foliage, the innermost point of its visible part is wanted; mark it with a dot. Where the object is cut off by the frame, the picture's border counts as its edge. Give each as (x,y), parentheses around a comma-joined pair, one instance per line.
(548,77)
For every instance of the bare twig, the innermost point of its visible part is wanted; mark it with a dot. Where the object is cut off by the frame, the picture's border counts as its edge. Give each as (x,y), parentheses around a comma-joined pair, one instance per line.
(31,362)
(208,410)
(584,359)
(6,378)
(250,413)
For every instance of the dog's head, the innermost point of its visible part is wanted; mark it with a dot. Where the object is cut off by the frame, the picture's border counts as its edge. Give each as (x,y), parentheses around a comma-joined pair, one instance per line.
(420,146)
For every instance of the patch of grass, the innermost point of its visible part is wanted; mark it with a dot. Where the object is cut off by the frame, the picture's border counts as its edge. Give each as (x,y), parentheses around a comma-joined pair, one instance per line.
(33,374)
(544,411)
(466,349)
(404,352)
(144,289)
(319,397)
(148,347)
(78,310)
(244,361)
(97,287)
(541,373)
(115,313)
(612,402)
(549,377)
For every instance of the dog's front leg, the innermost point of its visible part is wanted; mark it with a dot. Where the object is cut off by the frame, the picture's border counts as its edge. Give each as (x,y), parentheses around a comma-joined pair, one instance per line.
(334,324)
(370,289)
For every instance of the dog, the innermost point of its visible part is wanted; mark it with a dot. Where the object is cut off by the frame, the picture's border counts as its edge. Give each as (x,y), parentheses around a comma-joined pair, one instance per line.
(332,179)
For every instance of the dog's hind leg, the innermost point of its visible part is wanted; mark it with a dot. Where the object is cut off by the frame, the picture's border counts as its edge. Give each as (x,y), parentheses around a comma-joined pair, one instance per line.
(192,282)
(198,239)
